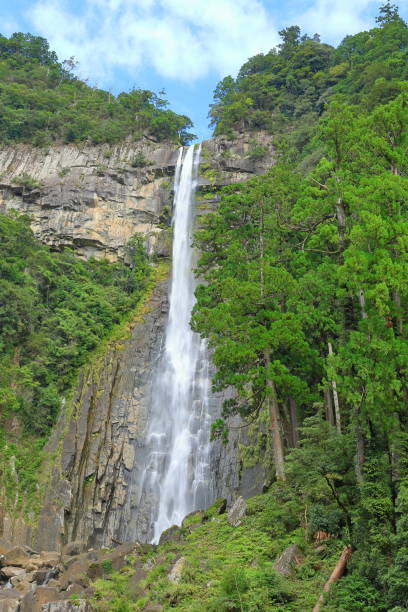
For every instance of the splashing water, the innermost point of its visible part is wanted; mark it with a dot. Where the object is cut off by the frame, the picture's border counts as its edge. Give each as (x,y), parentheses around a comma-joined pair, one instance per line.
(177,478)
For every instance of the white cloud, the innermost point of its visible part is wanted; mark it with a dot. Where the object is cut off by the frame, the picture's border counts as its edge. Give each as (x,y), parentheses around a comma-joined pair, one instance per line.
(335,19)
(179,39)
(8,26)
(185,40)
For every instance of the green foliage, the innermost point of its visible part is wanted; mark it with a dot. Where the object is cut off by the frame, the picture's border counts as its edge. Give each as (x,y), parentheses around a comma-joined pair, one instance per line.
(20,461)
(41,101)
(107,566)
(140,161)
(229,568)
(113,595)
(26,181)
(355,593)
(287,90)
(257,152)
(54,310)
(305,292)
(234,586)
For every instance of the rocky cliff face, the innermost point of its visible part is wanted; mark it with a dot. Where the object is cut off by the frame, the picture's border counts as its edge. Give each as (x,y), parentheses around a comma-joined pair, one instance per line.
(95,199)
(90,198)
(100,442)
(97,448)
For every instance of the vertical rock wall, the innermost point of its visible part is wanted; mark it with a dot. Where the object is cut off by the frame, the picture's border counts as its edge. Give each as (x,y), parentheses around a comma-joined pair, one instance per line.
(100,443)
(94,200)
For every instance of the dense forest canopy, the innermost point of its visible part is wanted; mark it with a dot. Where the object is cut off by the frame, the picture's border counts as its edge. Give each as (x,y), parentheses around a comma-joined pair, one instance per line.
(305,298)
(287,89)
(42,101)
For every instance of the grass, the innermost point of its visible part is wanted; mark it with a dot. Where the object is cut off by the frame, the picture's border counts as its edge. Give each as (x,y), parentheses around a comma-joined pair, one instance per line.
(227,568)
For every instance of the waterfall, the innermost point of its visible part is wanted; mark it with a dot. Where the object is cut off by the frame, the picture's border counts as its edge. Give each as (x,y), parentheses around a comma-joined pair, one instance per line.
(177,475)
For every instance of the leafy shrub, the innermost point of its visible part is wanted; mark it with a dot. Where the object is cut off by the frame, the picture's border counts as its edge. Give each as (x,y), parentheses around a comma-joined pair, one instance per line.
(258,152)
(323,518)
(106,565)
(354,593)
(27,181)
(251,590)
(63,172)
(140,161)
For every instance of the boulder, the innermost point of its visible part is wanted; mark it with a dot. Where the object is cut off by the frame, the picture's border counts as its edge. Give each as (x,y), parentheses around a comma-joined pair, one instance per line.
(173,533)
(74,589)
(77,572)
(9,604)
(175,574)
(237,512)
(74,548)
(288,560)
(49,559)
(45,595)
(28,603)
(10,571)
(21,583)
(19,555)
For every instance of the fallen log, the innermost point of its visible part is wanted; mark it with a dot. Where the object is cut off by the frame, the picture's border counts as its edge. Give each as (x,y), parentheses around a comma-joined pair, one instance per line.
(335,575)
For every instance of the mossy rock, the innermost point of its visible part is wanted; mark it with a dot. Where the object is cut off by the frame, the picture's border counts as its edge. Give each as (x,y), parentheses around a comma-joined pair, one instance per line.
(217,508)
(172,534)
(193,519)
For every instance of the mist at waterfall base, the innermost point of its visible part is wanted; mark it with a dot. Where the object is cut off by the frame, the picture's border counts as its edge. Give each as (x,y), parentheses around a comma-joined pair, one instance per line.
(177,479)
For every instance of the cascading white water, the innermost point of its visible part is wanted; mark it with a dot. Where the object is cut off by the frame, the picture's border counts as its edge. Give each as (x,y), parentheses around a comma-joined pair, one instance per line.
(177,477)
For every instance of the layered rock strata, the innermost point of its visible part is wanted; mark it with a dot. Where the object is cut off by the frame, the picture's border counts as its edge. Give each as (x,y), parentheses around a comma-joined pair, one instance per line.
(95,198)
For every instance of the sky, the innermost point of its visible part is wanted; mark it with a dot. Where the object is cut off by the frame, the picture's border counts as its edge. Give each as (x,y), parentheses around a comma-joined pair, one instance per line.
(182,46)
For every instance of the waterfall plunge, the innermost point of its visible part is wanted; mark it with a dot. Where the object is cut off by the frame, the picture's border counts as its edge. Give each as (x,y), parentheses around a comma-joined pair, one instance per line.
(177,477)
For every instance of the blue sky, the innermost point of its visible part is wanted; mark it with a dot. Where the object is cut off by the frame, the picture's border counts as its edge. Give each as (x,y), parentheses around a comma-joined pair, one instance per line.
(182,46)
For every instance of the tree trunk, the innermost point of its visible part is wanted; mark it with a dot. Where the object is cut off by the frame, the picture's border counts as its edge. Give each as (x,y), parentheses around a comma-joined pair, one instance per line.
(276,433)
(328,403)
(287,426)
(275,426)
(393,486)
(361,299)
(397,301)
(335,397)
(336,574)
(294,422)
(360,449)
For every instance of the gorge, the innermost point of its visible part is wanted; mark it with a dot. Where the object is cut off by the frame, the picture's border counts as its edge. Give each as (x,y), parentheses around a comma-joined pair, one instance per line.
(101,448)
(203,374)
